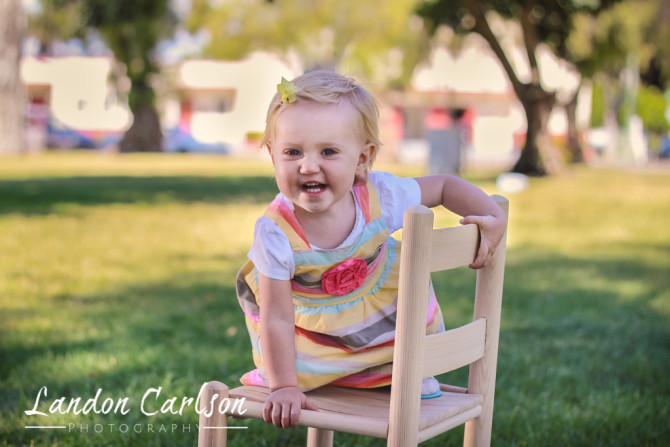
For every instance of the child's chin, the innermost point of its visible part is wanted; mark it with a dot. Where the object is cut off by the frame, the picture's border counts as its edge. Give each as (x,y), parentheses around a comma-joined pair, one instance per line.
(312,208)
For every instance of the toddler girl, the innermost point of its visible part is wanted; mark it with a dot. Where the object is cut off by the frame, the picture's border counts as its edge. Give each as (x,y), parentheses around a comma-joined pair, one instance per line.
(319,292)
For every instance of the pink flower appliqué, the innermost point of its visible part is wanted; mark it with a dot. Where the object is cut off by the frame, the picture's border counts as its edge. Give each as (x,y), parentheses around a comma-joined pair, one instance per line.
(344,277)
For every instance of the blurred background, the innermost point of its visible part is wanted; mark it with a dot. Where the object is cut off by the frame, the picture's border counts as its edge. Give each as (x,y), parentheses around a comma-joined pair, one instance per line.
(524,86)
(131,178)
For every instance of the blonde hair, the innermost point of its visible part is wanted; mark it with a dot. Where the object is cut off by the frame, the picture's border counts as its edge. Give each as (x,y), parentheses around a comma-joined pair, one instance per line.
(328,87)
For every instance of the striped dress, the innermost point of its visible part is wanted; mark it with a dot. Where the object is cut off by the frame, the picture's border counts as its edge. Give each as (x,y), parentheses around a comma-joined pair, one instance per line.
(343,338)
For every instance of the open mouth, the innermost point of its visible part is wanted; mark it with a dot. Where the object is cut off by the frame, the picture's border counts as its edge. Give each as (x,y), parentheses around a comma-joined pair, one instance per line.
(313,187)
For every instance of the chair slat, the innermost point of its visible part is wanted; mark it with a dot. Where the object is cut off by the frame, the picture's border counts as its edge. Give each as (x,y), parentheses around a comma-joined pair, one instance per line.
(363,412)
(453,247)
(327,420)
(453,349)
(448,405)
(450,423)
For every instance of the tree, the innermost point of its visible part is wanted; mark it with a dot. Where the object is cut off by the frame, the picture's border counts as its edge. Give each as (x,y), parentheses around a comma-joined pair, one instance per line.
(613,44)
(657,72)
(542,22)
(56,20)
(12,98)
(132,30)
(375,38)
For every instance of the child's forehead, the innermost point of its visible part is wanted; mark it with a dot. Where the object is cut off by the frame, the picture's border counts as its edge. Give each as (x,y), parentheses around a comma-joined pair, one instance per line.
(340,111)
(341,106)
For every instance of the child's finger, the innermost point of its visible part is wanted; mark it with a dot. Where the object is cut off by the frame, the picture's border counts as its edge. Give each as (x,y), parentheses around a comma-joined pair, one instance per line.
(276,415)
(286,415)
(295,416)
(477,220)
(309,405)
(267,412)
(481,257)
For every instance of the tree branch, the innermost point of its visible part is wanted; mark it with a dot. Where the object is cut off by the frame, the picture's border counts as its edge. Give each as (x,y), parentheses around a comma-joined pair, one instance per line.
(483,29)
(530,39)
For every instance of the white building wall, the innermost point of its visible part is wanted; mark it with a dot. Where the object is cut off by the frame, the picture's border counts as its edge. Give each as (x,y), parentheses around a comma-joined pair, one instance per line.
(254,81)
(81,95)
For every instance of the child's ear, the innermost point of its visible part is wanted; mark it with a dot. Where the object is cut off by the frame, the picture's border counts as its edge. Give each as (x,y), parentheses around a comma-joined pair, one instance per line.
(366,156)
(364,159)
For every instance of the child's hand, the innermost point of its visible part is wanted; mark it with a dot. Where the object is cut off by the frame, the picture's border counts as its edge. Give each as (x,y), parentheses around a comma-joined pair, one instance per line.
(282,408)
(492,230)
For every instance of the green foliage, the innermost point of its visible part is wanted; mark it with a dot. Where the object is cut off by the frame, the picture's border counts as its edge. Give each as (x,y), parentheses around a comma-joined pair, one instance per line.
(551,21)
(58,20)
(118,273)
(131,28)
(377,39)
(657,36)
(603,42)
(651,107)
(598,106)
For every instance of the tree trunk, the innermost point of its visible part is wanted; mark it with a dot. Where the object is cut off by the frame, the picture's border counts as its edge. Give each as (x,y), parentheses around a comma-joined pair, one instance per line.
(574,146)
(539,156)
(613,101)
(12,95)
(145,134)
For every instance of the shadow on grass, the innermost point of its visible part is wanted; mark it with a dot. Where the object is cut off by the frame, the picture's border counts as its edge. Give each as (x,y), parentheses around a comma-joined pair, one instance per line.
(173,334)
(43,196)
(584,349)
(583,354)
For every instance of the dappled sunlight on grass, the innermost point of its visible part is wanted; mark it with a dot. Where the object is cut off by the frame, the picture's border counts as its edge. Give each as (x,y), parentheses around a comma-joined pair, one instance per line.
(118,273)
(64,196)
(96,164)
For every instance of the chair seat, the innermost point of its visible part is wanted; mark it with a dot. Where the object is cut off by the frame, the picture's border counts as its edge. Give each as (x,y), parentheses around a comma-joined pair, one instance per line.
(366,412)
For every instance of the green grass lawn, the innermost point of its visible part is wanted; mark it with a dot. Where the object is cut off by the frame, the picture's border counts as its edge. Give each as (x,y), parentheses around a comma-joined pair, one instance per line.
(117,273)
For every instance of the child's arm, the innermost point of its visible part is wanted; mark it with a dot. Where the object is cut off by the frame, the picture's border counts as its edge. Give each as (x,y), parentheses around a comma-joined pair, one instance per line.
(282,408)
(465,199)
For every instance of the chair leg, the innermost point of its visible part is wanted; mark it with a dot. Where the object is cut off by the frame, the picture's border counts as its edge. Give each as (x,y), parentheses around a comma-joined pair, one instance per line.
(478,430)
(317,437)
(212,430)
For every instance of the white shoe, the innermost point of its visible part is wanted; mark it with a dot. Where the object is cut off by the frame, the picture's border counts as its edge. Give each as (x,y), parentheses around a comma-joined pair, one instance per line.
(430,387)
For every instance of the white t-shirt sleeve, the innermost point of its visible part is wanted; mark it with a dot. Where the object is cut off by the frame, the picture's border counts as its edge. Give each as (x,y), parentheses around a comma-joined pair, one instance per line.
(396,194)
(271,251)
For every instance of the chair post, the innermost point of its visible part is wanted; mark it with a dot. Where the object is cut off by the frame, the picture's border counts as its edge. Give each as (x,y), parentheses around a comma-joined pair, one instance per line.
(410,327)
(317,437)
(213,395)
(488,304)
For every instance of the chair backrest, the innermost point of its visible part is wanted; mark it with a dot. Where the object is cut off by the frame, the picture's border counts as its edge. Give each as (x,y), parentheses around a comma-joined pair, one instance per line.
(416,356)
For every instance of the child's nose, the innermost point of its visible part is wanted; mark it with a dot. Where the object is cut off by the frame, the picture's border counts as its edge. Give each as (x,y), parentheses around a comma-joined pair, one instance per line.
(309,166)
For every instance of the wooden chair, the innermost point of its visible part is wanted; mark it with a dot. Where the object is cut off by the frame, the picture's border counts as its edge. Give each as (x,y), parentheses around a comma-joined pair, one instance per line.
(400,415)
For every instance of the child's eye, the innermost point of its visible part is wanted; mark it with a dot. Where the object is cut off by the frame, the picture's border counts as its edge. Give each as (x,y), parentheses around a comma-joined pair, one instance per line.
(292,152)
(329,151)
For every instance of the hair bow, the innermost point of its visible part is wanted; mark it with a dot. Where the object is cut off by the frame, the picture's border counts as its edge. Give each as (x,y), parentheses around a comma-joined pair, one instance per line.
(287,91)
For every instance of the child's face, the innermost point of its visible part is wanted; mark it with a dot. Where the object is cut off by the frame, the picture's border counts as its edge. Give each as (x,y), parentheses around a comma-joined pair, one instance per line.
(317,151)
